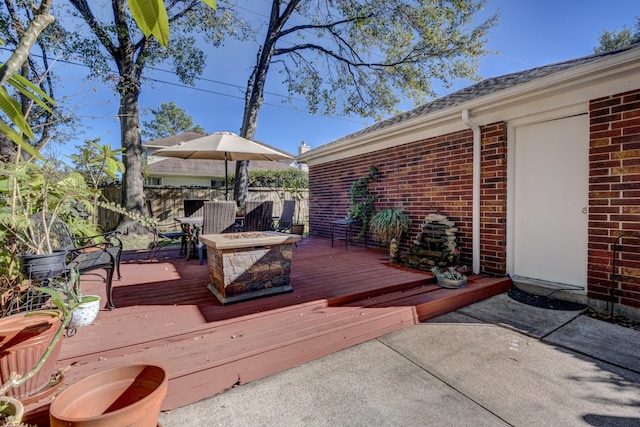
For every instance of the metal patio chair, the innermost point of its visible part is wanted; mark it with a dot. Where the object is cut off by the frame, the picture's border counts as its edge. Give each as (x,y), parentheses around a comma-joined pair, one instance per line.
(87,254)
(286,218)
(159,234)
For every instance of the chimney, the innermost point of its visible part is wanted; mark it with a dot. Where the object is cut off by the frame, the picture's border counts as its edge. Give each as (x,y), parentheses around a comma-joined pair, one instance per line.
(303,148)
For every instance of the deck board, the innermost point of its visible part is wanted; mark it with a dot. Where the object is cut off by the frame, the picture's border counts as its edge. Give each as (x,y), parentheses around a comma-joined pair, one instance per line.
(165,315)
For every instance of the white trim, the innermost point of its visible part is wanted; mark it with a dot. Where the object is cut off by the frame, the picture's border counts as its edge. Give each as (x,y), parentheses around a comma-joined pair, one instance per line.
(511,174)
(477,181)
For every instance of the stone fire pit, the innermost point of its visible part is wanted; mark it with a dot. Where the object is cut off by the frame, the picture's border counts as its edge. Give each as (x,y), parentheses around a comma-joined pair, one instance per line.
(249,265)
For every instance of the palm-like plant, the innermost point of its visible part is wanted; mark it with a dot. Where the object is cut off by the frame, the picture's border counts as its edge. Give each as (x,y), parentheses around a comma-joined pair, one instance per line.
(389,224)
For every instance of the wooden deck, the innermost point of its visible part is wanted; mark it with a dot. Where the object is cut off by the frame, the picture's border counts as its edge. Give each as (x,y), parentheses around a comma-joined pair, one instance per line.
(165,315)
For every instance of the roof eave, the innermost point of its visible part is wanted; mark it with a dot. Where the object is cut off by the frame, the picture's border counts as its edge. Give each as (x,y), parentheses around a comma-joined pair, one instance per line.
(587,81)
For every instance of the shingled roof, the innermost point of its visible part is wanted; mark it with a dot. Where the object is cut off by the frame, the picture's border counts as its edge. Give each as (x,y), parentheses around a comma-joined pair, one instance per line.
(483,88)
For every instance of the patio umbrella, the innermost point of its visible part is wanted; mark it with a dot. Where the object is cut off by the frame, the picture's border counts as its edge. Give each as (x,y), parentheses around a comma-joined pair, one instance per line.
(222,146)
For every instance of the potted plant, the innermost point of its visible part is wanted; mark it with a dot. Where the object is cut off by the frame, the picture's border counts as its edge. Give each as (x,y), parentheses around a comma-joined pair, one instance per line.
(450,277)
(31,344)
(387,227)
(362,201)
(83,309)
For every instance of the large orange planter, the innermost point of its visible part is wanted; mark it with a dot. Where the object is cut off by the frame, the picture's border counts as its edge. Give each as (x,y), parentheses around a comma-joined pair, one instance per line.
(23,340)
(128,396)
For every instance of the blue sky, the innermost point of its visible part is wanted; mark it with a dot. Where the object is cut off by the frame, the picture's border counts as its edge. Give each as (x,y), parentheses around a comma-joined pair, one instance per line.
(529,33)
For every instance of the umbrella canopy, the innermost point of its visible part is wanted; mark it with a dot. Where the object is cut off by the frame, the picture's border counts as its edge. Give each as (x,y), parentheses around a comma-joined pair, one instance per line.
(222,146)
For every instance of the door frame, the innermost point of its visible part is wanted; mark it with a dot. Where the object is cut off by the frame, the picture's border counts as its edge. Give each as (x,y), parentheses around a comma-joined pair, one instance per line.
(573,110)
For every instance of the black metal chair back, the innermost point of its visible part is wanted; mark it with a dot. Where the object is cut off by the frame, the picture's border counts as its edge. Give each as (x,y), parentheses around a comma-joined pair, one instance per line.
(286,218)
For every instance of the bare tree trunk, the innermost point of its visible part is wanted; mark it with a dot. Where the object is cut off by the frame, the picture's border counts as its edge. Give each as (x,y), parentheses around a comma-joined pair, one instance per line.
(133,193)
(19,56)
(255,92)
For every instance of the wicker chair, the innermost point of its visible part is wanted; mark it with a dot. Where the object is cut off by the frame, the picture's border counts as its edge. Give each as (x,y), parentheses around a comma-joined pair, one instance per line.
(259,216)
(218,217)
(193,207)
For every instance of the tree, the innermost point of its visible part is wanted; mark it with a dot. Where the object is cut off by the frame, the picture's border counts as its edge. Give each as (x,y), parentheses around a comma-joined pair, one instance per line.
(132,51)
(98,165)
(22,32)
(23,25)
(362,57)
(50,123)
(611,40)
(168,120)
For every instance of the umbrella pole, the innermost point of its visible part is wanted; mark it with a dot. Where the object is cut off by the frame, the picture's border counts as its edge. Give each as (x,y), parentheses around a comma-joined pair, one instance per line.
(226,179)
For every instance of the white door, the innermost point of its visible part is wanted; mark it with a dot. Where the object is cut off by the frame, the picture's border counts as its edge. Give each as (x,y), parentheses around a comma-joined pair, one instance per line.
(551,200)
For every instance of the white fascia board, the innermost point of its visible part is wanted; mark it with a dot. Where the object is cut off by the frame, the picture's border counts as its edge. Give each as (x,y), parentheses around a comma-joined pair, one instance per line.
(572,88)
(392,136)
(557,92)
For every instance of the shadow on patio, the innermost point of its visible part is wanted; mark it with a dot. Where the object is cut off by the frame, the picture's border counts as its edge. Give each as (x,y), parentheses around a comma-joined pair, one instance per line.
(165,315)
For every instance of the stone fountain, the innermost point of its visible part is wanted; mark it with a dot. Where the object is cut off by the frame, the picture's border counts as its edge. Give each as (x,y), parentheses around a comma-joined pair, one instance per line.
(434,244)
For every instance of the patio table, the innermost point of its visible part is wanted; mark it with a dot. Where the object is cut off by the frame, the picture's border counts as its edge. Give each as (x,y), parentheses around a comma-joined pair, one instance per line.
(192,226)
(347,224)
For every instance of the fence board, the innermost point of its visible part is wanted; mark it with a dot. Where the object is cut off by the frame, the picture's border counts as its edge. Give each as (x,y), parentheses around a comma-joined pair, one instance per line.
(166,202)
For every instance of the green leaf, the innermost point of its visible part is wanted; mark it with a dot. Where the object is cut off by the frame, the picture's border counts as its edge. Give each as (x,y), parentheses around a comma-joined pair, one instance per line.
(32,91)
(11,108)
(55,298)
(151,17)
(11,133)
(210,3)
(89,299)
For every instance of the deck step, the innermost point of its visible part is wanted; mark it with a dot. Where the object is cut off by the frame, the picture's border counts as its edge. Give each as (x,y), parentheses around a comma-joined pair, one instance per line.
(431,300)
(208,362)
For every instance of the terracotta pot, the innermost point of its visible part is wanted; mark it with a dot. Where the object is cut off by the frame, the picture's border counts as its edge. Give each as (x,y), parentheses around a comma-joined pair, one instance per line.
(127,396)
(24,339)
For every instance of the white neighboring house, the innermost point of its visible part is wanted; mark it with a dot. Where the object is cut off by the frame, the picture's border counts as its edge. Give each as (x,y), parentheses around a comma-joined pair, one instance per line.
(167,171)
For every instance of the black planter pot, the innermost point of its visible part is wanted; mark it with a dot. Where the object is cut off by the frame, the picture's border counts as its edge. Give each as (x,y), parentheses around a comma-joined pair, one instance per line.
(37,270)
(44,266)
(297,229)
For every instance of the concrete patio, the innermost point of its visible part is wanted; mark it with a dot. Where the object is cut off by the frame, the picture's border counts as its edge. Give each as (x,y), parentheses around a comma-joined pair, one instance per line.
(496,362)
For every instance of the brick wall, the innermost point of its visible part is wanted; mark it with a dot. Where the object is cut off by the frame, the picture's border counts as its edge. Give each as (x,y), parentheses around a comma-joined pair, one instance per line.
(614,197)
(433,175)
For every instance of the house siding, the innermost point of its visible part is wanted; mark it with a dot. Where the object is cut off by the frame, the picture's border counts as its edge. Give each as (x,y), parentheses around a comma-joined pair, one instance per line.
(614,197)
(432,175)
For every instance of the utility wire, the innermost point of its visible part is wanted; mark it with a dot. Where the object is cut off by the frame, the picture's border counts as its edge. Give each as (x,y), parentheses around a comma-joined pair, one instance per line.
(184,86)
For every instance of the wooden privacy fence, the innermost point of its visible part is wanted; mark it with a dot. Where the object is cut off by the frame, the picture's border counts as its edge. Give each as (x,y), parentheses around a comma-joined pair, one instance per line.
(167,202)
